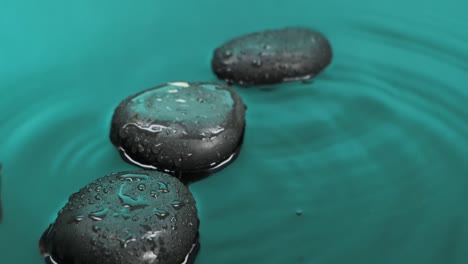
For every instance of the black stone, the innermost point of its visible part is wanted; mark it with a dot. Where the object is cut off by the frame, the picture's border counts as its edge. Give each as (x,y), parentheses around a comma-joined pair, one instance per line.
(272,56)
(186,129)
(130,217)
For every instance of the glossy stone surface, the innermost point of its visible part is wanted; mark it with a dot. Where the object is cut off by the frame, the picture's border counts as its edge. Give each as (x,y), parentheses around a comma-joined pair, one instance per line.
(272,56)
(181,128)
(127,217)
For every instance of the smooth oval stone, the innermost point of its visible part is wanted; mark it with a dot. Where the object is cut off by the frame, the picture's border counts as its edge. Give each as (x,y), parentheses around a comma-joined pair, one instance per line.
(127,217)
(186,129)
(272,56)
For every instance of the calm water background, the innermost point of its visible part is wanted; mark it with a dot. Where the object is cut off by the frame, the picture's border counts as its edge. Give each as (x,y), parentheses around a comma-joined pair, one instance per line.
(373,152)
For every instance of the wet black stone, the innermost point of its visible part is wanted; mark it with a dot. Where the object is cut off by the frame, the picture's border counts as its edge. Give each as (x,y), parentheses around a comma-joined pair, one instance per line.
(127,217)
(272,56)
(186,129)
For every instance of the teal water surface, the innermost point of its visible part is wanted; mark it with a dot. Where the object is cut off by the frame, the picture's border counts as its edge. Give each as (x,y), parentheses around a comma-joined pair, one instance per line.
(366,164)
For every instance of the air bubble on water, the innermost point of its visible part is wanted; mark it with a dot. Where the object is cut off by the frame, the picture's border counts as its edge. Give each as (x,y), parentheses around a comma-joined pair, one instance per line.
(299,211)
(97,197)
(99,215)
(141,187)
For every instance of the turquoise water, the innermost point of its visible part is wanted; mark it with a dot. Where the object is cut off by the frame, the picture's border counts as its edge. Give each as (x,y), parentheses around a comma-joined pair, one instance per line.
(364,165)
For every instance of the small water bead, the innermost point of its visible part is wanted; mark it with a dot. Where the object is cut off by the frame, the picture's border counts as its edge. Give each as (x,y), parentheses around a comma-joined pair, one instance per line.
(177,204)
(141,187)
(99,215)
(160,213)
(122,222)
(257,63)
(272,56)
(299,212)
(163,187)
(154,194)
(159,134)
(77,219)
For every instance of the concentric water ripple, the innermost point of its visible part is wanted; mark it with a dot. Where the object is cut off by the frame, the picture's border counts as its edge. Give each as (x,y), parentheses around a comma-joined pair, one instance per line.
(366,164)
(372,152)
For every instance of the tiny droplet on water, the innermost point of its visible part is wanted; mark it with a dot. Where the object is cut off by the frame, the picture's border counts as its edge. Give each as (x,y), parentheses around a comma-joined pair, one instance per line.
(299,212)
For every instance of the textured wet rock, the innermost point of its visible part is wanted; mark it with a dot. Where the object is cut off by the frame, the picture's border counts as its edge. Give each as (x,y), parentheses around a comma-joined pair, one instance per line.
(127,217)
(186,129)
(272,56)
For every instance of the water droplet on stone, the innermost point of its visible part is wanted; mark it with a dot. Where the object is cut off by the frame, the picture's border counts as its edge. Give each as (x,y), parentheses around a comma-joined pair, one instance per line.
(257,63)
(125,241)
(133,177)
(163,187)
(177,204)
(96,228)
(78,219)
(132,203)
(227,54)
(99,215)
(161,214)
(154,194)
